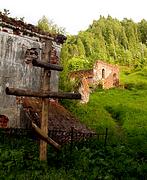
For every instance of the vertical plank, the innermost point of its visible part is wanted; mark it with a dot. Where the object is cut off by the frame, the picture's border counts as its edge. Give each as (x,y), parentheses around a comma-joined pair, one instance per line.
(44,128)
(45,102)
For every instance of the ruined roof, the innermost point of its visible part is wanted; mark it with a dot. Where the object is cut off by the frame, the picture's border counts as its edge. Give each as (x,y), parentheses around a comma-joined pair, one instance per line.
(59,117)
(82,73)
(19,27)
(60,120)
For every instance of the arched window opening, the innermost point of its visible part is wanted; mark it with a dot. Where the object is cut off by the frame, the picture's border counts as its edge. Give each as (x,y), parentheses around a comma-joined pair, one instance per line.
(103,73)
(114,75)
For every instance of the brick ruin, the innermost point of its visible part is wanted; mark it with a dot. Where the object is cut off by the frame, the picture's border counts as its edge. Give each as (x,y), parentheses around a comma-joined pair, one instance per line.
(29,66)
(19,44)
(103,74)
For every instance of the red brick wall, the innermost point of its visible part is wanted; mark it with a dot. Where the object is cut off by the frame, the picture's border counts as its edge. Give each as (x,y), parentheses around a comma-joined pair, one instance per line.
(104,73)
(111,74)
(3,121)
(84,90)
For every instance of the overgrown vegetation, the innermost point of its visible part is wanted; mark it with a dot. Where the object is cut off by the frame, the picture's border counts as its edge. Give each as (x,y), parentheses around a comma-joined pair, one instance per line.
(49,26)
(116,161)
(108,39)
(122,111)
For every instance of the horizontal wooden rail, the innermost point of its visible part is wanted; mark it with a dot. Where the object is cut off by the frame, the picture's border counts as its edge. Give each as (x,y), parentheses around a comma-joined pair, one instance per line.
(30,93)
(45,65)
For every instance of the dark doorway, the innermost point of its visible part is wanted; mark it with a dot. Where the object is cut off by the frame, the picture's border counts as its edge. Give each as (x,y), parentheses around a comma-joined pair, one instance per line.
(103,73)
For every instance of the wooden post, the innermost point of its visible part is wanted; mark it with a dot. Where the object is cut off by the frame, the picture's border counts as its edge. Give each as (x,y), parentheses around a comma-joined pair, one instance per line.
(45,101)
(105,143)
(45,137)
(71,141)
(44,94)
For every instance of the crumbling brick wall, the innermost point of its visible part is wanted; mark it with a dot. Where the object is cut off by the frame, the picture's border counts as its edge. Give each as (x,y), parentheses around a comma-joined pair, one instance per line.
(106,74)
(84,90)
(102,73)
(16,69)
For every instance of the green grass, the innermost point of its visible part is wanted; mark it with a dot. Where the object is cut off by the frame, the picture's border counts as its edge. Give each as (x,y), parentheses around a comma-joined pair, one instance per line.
(93,115)
(122,111)
(118,161)
(134,79)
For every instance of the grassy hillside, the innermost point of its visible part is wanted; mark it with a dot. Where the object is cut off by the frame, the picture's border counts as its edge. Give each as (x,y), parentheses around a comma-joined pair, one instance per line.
(124,108)
(122,111)
(134,79)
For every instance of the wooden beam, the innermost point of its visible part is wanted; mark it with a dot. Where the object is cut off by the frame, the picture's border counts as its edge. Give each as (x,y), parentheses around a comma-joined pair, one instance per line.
(45,137)
(30,93)
(45,104)
(45,65)
(42,135)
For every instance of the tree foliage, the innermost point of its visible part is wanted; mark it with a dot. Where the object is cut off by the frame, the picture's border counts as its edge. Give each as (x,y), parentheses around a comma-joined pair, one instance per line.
(49,26)
(122,42)
(108,39)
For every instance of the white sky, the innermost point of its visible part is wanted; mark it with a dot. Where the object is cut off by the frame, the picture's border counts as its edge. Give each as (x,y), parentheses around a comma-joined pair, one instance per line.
(75,15)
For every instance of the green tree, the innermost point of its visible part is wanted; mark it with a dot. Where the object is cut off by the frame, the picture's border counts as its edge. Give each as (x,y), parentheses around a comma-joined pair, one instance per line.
(49,26)
(81,49)
(142,30)
(122,42)
(77,63)
(43,24)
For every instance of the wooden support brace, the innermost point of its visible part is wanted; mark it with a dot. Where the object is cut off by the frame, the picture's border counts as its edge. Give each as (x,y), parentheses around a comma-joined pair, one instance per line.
(45,136)
(42,135)
(30,93)
(45,65)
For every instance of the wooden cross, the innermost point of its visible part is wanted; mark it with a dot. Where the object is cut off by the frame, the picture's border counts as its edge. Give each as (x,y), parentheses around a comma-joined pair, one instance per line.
(45,93)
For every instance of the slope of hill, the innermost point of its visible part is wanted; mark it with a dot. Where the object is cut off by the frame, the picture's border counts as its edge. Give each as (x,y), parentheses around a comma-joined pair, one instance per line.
(122,111)
(124,108)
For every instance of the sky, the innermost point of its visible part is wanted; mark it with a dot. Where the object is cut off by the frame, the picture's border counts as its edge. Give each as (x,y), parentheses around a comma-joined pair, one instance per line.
(75,15)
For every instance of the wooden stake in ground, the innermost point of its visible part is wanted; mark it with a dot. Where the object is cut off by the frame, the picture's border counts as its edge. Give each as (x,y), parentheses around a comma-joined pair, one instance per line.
(45,101)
